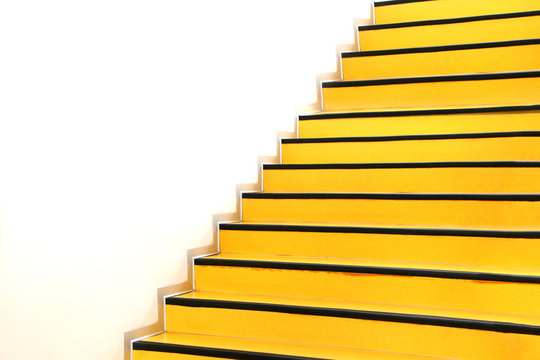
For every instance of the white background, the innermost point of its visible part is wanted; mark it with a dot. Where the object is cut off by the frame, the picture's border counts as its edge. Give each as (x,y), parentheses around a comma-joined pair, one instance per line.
(124,127)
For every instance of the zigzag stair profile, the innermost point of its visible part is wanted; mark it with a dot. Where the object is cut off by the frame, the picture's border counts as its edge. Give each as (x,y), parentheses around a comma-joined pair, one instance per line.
(403,220)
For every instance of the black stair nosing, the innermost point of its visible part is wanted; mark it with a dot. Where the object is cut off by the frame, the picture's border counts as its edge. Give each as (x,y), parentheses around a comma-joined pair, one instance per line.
(449,21)
(433,320)
(405,165)
(489,135)
(516,234)
(398,113)
(393,196)
(213,352)
(431,79)
(396,2)
(442,48)
(372,270)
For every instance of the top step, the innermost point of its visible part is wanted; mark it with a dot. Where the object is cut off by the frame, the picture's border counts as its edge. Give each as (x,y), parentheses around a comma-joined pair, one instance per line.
(395,11)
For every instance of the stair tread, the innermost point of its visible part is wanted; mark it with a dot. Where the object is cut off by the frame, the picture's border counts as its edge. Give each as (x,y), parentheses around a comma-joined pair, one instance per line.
(385,226)
(456,20)
(416,111)
(208,345)
(440,48)
(430,269)
(431,78)
(404,165)
(290,303)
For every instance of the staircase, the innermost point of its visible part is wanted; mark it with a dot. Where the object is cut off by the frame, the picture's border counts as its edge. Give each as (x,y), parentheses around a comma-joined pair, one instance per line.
(404,222)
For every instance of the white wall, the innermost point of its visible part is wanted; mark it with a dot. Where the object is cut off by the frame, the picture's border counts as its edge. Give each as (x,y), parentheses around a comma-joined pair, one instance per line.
(124,126)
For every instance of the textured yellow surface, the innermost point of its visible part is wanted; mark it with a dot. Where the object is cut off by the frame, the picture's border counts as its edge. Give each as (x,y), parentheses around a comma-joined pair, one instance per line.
(451,34)
(451,212)
(480,296)
(384,336)
(502,59)
(520,91)
(405,180)
(420,125)
(264,346)
(483,149)
(481,251)
(445,9)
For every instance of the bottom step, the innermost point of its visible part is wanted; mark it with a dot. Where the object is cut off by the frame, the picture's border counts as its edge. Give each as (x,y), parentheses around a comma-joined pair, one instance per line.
(172,346)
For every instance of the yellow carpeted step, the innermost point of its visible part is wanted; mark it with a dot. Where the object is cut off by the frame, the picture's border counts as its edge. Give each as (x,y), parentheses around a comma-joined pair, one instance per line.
(434,177)
(450,286)
(185,346)
(414,330)
(503,56)
(424,121)
(491,89)
(503,247)
(503,146)
(440,32)
(387,12)
(388,208)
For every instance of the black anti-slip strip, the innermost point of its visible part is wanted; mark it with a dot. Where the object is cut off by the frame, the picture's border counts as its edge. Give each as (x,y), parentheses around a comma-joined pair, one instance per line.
(412,137)
(485,45)
(375,114)
(361,315)
(430,79)
(375,270)
(393,196)
(212,352)
(449,21)
(396,2)
(418,165)
(380,230)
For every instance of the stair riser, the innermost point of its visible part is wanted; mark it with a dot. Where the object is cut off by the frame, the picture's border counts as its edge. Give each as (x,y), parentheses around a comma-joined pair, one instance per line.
(406,338)
(416,180)
(447,9)
(501,297)
(154,355)
(450,34)
(481,251)
(520,91)
(502,59)
(420,125)
(484,149)
(426,212)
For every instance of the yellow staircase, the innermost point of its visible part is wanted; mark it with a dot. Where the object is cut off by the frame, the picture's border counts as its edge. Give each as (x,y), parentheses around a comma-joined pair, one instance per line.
(403,223)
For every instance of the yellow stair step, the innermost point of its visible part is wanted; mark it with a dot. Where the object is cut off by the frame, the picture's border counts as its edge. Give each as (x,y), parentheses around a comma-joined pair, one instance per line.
(420,121)
(397,11)
(454,31)
(393,208)
(502,56)
(490,89)
(497,146)
(426,177)
(180,346)
(451,286)
(474,246)
(357,325)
